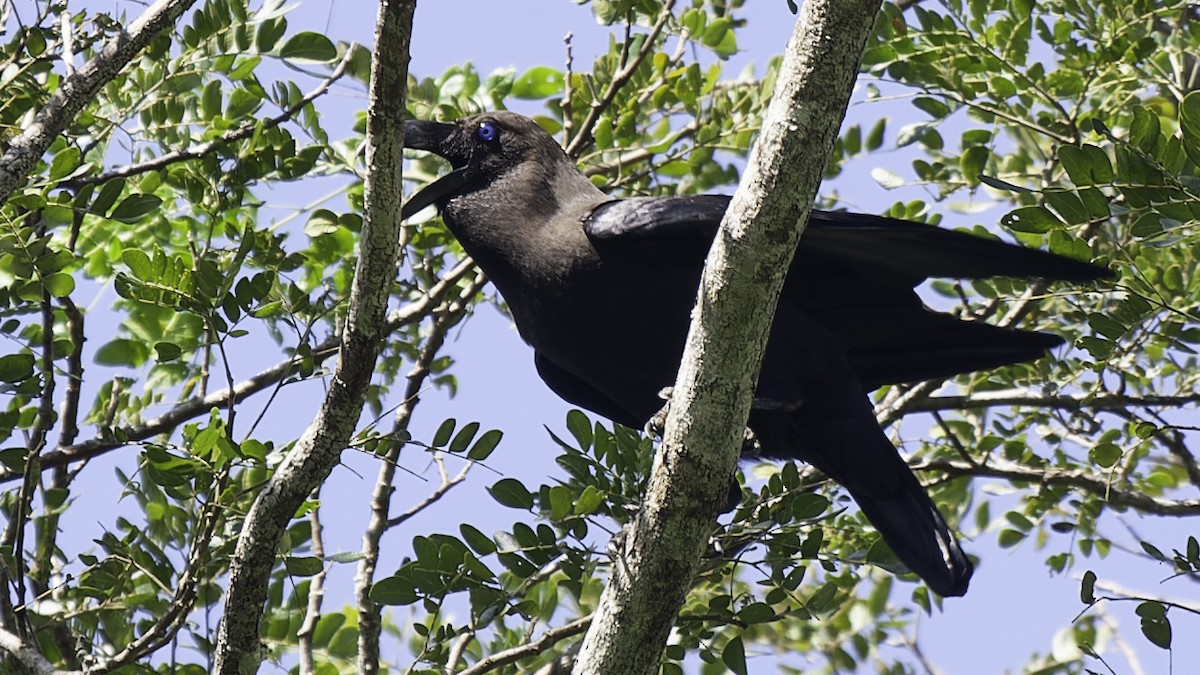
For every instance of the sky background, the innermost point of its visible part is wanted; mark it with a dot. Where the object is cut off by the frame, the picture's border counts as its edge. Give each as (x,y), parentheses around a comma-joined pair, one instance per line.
(1014,606)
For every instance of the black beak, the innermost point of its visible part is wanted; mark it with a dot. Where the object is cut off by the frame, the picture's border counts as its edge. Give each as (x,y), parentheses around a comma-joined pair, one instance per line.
(428,136)
(437,138)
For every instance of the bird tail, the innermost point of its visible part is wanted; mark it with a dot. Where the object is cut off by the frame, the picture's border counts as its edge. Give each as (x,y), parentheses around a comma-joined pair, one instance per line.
(913,528)
(856,453)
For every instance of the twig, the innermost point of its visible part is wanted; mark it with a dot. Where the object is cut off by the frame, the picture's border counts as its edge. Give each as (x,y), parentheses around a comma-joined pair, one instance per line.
(316,593)
(1010,397)
(1077,479)
(620,78)
(369,620)
(546,641)
(246,130)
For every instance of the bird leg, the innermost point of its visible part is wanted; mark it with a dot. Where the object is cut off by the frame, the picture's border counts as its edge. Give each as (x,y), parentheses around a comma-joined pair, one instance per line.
(751,448)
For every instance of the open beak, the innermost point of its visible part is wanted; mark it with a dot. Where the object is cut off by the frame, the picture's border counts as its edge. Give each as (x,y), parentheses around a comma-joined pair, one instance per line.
(436,137)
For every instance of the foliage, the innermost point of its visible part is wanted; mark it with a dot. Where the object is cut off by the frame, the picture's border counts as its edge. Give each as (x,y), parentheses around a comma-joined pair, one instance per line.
(1080,118)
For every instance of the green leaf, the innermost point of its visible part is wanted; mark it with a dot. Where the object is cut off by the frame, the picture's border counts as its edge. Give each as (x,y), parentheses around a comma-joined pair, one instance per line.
(394,591)
(210,100)
(1009,538)
(808,506)
(485,445)
(1087,590)
(478,541)
(109,192)
(734,656)
(1106,325)
(122,352)
(138,262)
(166,351)
(1035,219)
(1086,165)
(580,428)
(309,46)
(589,501)
(1105,455)
(442,436)
(935,108)
(560,502)
(65,161)
(134,207)
(512,493)
(972,162)
(756,612)
(322,221)
(1155,625)
(538,82)
(59,284)
(462,440)
(242,102)
(305,566)
(1189,122)
(1067,205)
(16,367)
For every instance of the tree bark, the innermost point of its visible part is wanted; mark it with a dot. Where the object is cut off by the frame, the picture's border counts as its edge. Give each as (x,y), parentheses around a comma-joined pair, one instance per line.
(319,448)
(739,290)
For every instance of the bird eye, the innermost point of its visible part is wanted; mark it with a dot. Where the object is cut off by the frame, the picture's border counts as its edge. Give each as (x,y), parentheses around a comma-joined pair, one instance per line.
(486,131)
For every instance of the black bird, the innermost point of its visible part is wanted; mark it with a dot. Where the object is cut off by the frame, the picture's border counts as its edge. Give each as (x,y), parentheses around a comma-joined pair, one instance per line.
(603,289)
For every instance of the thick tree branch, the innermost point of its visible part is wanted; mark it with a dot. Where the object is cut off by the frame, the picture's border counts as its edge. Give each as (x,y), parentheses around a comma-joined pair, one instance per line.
(27,655)
(738,293)
(78,89)
(239,649)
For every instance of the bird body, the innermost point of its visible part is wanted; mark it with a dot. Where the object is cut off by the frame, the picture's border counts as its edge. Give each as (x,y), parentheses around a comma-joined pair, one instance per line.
(603,289)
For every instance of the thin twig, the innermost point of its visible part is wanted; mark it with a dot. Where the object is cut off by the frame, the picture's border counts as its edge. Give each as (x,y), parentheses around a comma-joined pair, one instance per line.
(547,640)
(1076,479)
(246,130)
(200,405)
(316,593)
(620,78)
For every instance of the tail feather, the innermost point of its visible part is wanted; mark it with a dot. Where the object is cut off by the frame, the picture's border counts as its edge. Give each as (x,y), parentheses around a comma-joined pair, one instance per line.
(916,532)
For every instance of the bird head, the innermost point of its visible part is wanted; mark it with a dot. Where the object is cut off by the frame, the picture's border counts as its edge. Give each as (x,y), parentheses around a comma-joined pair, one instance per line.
(481,149)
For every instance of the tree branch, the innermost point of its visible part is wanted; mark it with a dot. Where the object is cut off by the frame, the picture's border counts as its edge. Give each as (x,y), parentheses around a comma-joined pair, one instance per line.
(239,649)
(200,405)
(79,89)
(369,620)
(1077,479)
(29,656)
(546,641)
(740,287)
(246,130)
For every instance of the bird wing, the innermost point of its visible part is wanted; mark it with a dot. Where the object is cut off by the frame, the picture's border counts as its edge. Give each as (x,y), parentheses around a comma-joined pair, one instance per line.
(855,274)
(911,250)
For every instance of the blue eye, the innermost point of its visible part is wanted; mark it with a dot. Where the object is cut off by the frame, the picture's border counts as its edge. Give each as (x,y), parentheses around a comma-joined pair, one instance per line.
(486,131)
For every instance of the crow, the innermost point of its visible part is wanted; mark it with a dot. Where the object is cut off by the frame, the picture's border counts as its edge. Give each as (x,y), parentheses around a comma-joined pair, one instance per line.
(603,289)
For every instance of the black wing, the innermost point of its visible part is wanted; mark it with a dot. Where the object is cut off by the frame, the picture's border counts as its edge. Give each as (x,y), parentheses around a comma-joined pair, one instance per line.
(855,274)
(914,251)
